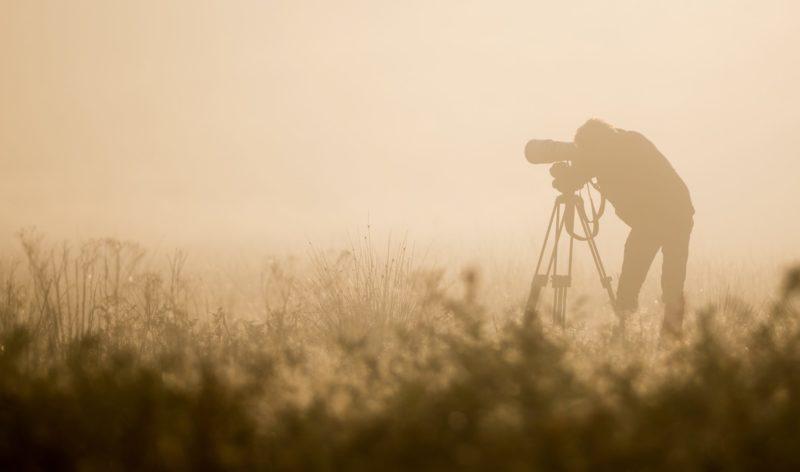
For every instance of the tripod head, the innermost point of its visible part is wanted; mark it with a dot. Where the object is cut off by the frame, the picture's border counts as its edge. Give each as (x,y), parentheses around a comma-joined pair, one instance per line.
(572,203)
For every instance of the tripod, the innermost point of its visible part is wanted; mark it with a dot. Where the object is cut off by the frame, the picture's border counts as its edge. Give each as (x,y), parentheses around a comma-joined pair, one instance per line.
(562,218)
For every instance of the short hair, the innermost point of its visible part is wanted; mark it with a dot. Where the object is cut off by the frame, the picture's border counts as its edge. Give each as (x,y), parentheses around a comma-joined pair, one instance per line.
(594,130)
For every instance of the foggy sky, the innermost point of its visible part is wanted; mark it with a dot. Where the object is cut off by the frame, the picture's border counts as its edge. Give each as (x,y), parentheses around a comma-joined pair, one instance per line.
(275,122)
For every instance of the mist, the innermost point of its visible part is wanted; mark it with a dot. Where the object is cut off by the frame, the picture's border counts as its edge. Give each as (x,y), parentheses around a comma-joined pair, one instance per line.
(278,123)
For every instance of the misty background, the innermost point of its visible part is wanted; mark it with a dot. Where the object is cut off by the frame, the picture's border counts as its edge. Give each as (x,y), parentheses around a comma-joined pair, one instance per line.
(274,123)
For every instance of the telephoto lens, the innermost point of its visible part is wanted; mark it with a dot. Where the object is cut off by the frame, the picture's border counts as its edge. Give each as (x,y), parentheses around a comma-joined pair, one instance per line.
(547,151)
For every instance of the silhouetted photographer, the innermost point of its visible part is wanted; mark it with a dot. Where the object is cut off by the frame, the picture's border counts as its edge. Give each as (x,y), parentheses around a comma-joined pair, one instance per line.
(647,194)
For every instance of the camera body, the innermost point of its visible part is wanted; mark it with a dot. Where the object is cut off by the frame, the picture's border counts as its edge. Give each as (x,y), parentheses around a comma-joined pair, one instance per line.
(564,179)
(560,170)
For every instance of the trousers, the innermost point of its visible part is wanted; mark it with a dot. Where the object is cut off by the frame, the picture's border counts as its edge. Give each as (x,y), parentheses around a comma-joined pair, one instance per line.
(641,248)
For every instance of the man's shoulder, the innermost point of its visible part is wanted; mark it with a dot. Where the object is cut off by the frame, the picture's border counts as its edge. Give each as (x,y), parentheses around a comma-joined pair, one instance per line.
(634,136)
(637,143)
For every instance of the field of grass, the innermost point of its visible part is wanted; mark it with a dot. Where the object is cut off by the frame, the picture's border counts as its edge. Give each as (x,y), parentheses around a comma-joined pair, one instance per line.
(368,359)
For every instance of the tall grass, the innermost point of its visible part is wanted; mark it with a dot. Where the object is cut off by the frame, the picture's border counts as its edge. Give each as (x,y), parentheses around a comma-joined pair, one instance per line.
(363,361)
(365,291)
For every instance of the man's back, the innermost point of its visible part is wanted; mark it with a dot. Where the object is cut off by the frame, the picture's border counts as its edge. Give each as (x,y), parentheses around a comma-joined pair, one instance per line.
(639,181)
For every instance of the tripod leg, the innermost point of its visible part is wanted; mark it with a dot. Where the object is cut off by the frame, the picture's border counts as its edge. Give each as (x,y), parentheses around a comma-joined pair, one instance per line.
(556,309)
(540,280)
(562,307)
(561,283)
(554,265)
(605,280)
(566,282)
(618,331)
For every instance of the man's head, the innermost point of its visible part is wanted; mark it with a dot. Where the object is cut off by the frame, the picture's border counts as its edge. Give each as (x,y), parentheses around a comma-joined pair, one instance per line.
(595,135)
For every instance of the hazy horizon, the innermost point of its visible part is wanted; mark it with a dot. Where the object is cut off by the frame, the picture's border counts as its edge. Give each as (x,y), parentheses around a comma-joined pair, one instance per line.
(282,122)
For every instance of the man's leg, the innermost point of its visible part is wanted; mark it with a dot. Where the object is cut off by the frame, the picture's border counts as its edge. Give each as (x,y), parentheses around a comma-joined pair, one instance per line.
(640,250)
(673,276)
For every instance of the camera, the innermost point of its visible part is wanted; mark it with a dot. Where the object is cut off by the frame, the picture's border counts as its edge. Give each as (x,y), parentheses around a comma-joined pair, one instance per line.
(558,153)
(560,170)
(564,179)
